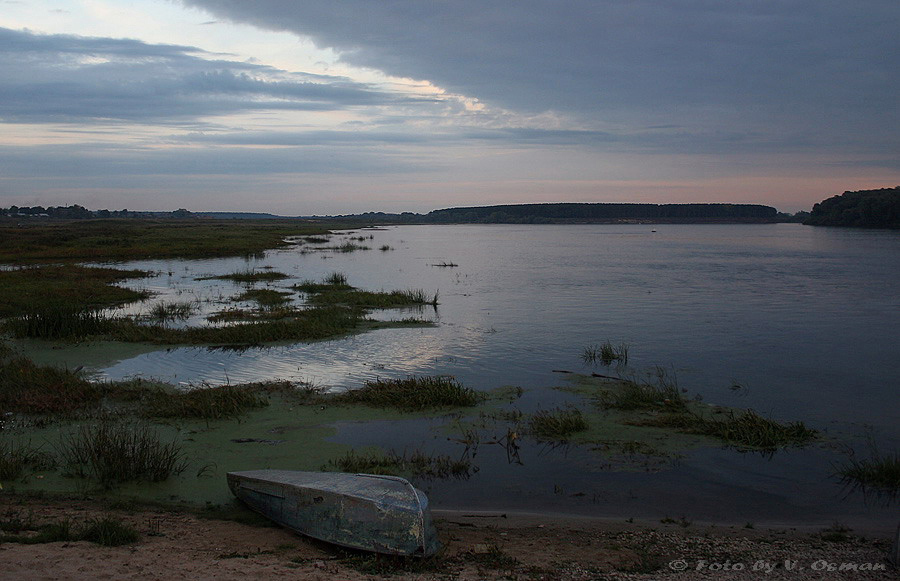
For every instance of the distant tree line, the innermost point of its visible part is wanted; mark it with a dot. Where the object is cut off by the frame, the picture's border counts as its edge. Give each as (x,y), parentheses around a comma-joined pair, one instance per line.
(859,209)
(573,212)
(76,212)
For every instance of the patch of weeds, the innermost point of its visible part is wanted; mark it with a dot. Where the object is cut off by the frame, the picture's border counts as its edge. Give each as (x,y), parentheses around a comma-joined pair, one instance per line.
(663,393)
(37,389)
(112,453)
(386,248)
(265,298)
(348,247)
(749,429)
(416,464)
(605,353)
(837,533)
(879,472)
(336,279)
(744,429)
(413,393)
(59,321)
(13,521)
(163,312)
(682,522)
(556,424)
(333,294)
(208,403)
(277,325)
(72,287)
(109,532)
(249,276)
(17,457)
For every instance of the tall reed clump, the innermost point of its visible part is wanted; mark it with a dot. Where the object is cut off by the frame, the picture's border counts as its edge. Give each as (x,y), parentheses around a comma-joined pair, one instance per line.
(557,424)
(661,393)
(17,457)
(112,453)
(412,393)
(59,321)
(163,312)
(336,279)
(605,353)
(879,472)
(36,389)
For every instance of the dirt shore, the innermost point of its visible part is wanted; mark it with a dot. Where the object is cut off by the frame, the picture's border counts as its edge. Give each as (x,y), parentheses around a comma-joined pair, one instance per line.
(181,545)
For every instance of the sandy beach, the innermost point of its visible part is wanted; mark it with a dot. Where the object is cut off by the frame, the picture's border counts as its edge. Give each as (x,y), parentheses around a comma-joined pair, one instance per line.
(180,545)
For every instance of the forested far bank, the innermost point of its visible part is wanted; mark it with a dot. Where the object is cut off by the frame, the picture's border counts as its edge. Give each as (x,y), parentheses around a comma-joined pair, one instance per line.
(860,209)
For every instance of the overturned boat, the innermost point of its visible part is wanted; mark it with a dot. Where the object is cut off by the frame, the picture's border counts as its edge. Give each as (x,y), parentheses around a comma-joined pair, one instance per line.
(384,514)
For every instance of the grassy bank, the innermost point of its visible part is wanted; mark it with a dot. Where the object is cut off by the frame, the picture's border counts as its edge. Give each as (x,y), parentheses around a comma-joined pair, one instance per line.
(89,240)
(64,287)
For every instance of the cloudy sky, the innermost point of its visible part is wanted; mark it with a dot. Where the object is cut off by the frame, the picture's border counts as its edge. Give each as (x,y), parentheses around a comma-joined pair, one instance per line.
(338,106)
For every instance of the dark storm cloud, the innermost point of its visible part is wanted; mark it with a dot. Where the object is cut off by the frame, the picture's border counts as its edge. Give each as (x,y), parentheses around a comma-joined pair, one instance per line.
(816,68)
(71,78)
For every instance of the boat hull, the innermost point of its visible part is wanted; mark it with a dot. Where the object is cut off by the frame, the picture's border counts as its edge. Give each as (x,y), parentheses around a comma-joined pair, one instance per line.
(384,514)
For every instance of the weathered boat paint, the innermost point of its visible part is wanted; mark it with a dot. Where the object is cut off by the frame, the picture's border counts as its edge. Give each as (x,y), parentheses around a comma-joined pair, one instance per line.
(384,514)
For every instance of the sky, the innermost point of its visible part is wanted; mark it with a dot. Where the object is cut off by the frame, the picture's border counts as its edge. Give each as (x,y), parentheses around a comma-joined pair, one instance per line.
(347,106)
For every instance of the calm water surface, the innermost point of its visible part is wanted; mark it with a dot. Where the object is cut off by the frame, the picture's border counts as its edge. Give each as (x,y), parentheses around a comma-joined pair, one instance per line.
(804,319)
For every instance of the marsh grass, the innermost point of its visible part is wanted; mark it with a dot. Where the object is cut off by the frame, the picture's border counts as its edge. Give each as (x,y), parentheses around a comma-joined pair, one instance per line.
(557,424)
(107,531)
(18,457)
(743,429)
(336,279)
(112,453)
(659,393)
(334,290)
(70,287)
(348,247)
(35,389)
(416,464)
(374,300)
(135,239)
(249,276)
(412,393)
(208,403)
(265,298)
(879,472)
(59,321)
(606,354)
(272,326)
(171,311)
